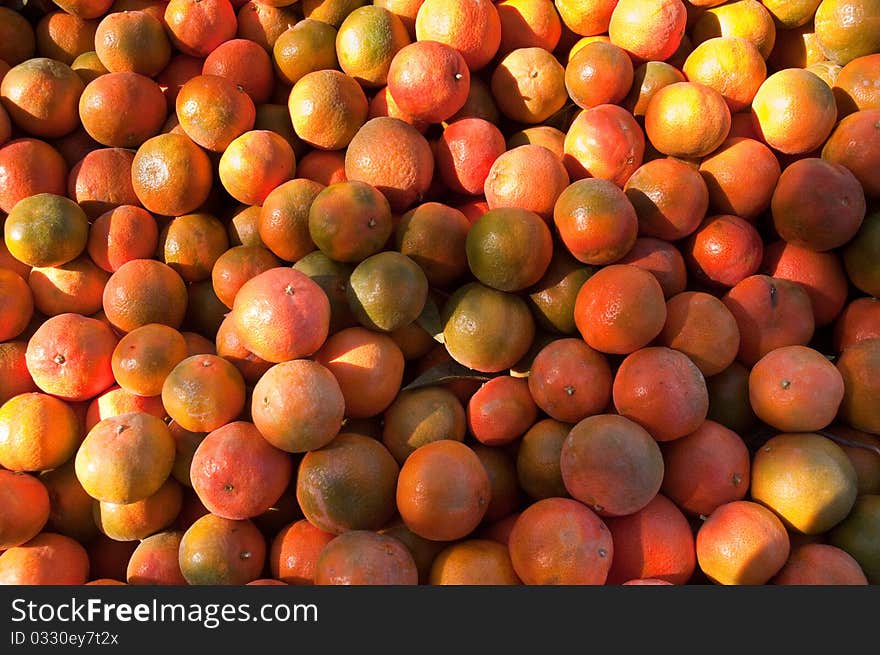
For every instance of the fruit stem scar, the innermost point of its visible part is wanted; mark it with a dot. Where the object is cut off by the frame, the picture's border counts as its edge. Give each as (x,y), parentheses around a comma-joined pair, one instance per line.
(245,555)
(228,487)
(569,390)
(59,359)
(785,384)
(288,289)
(773,299)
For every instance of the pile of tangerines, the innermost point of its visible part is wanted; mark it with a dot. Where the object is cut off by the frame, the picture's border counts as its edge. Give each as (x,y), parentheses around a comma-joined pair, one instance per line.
(440,292)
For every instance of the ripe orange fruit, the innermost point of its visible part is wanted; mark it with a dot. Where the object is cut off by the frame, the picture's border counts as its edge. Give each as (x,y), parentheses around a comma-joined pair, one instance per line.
(236,266)
(669,197)
(731,65)
(473,562)
(125,458)
(486,329)
(327,108)
(569,380)
(604,142)
(237,474)
(528,24)
(142,518)
(218,551)
(14,376)
(820,564)
(46,230)
(586,17)
(723,250)
(294,552)
(662,390)
(73,287)
(138,109)
(443,491)
(393,157)
(611,464)
(856,322)
(505,185)
(41,432)
(154,560)
(144,357)
(662,259)
(854,87)
(197,27)
(842,40)
(69,356)
(70,510)
(853,144)
(528,85)
(794,111)
(620,309)
(203,393)
(809,192)
(213,111)
(132,41)
(101,181)
(296,323)
(687,119)
(806,479)
(655,543)
(429,80)
(699,325)
(858,365)
(367,365)
(509,248)
(143,291)
(649,30)
(363,557)
(501,411)
(771,313)
(189,178)
(25,508)
(254,164)
(16,306)
(600,72)
(748,19)
(28,167)
(41,96)
(227,344)
(350,463)
(741,543)
(323,166)
(245,63)
(795,389)
(473,27)
(820,273)
(298,406)
(47,559)
(560,541)
(740,175)
(705,469)
(282,219)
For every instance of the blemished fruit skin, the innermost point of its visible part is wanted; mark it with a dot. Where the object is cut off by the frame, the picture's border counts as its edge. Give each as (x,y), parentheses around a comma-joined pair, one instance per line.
(474,292)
